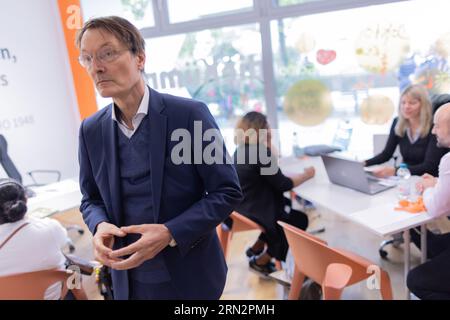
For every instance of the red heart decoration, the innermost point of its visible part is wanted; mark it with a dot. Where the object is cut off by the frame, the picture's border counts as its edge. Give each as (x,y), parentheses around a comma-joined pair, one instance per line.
(325,56)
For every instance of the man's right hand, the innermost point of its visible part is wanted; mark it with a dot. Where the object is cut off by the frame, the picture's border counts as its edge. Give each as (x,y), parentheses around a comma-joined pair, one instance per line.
(103,242)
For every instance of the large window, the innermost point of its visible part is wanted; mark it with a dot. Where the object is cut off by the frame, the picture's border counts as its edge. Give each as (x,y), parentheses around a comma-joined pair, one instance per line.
(332,74)
(329,76)
(282,3)
(221,67)
(182,10)
(139,12)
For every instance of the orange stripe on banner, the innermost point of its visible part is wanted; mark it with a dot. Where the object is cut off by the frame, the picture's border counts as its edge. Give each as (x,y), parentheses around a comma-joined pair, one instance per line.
(70,13)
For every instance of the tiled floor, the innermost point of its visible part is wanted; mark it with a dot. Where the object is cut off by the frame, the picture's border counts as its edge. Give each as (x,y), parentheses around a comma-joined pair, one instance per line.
(244,284)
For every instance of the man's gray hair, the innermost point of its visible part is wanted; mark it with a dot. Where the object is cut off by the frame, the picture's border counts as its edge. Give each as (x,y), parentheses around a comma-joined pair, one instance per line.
(121,28)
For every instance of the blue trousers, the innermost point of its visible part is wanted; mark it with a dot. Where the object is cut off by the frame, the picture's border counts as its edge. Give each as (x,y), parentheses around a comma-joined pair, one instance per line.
(152,291)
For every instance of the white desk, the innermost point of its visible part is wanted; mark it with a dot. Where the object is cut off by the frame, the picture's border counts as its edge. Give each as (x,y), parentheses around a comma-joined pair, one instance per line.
(374,212)
(53,198)
(333,197)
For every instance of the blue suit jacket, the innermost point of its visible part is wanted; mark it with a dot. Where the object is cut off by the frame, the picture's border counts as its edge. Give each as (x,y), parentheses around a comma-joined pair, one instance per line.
(190,199)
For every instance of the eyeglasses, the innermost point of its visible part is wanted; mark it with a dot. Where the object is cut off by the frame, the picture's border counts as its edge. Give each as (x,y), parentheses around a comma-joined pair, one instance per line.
(106,55)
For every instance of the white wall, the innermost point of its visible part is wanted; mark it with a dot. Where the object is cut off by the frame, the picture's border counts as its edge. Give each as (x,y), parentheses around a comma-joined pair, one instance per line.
(38,88)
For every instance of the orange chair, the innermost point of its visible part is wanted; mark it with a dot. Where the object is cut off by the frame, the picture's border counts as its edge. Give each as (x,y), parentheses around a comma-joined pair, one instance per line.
(32,285)
(334,269)
(240,224)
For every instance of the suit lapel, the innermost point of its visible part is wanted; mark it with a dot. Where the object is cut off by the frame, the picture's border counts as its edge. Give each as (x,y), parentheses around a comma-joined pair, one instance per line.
(110,145)
(158,133)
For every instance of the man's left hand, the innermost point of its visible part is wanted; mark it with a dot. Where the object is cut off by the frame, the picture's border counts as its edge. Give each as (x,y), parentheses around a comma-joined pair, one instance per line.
(155,237)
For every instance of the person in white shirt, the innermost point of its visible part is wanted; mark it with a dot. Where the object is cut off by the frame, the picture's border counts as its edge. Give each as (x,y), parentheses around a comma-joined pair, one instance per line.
(36,246)
(431,280)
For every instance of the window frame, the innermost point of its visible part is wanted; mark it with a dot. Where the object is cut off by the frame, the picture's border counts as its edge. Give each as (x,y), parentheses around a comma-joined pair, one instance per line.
(262,13)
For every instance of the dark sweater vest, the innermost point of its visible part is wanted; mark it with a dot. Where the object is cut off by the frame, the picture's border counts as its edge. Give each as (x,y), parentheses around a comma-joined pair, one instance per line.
(137,197)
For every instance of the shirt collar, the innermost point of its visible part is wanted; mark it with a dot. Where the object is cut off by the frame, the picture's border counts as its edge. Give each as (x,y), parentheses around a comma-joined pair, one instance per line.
(143,106)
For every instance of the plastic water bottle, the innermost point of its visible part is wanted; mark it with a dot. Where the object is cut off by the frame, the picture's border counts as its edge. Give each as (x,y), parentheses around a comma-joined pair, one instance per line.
(403,186)
(297,151)
(343,135)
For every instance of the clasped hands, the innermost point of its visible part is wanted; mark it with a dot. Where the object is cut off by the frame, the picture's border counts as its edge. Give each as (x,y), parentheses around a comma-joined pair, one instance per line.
(426,181)
(154,238)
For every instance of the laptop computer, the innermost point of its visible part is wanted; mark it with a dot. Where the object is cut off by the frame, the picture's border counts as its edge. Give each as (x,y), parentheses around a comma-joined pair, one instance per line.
(351,174)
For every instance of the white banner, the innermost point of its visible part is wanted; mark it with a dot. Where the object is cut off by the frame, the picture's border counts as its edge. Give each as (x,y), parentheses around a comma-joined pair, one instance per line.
(38,112)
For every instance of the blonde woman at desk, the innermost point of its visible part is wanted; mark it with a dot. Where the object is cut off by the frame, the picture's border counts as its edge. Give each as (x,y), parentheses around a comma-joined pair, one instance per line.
(411,131)
(28,244)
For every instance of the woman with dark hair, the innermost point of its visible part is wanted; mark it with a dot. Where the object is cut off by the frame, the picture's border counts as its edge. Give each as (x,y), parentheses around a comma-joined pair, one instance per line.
(263,185)
(28,244)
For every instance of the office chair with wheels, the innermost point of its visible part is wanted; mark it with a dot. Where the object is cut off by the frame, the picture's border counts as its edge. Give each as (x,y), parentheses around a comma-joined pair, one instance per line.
(12,172)
(102,273)
(11,169)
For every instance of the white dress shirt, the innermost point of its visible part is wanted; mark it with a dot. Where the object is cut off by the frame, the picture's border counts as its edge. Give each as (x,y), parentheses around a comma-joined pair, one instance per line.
(437,199)
(138,117)
(36,247)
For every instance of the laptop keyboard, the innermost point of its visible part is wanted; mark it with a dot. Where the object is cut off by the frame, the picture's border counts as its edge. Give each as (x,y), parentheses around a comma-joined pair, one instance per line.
(372,178)
(375,186)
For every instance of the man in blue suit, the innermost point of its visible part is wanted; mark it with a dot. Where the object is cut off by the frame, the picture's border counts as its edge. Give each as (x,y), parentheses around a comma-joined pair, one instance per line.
(153,220)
